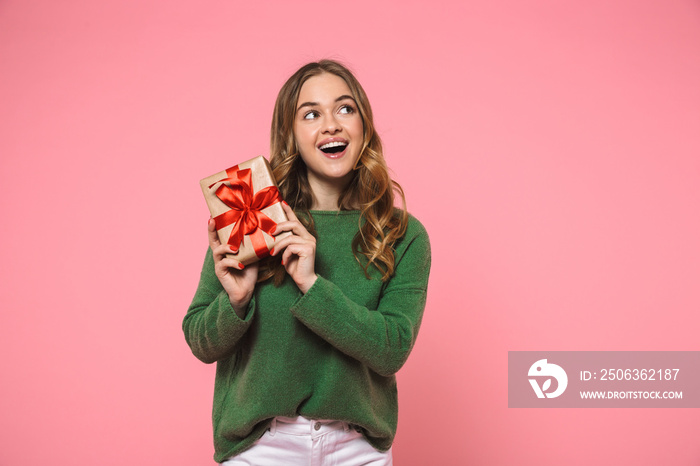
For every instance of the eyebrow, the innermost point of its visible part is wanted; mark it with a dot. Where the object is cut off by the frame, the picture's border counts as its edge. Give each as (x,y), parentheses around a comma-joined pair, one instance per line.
(316,104)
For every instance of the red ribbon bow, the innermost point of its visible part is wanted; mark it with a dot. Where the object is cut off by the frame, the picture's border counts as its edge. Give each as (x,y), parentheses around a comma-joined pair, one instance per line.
(246,210)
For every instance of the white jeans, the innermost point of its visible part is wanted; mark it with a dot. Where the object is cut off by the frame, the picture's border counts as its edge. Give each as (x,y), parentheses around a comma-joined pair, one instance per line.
(308,442)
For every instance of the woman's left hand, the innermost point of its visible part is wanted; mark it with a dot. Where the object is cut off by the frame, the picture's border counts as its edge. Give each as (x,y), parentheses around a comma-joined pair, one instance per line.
(299,250)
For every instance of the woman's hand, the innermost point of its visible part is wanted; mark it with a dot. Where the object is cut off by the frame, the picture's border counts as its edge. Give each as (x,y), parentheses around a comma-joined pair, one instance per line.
(238,281)
(299,250)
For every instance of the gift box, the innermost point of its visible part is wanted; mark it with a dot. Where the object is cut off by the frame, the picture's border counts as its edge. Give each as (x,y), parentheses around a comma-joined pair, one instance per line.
(246,205)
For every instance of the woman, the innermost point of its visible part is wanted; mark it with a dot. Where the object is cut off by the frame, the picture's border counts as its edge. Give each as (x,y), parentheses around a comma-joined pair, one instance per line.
(307,343)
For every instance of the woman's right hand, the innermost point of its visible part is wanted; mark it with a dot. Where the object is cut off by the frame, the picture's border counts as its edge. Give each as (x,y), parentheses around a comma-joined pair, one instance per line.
(238,281)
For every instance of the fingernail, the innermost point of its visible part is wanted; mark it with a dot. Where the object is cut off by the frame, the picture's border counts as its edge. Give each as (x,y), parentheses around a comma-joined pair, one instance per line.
(272,251)
(241,266)
(282,261)
(285,203)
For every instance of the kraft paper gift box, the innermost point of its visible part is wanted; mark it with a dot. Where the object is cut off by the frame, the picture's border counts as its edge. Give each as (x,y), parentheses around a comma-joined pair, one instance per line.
(246,205)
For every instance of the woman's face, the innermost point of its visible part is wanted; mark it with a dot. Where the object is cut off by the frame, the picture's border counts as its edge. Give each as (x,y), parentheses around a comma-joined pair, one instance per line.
(328,129)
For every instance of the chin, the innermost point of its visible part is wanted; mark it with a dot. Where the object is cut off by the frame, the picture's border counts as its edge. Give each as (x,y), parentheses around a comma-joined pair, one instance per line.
(340,175)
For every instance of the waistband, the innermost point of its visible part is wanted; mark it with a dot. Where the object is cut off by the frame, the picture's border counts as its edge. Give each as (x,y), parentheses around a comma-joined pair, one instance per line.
(302,426)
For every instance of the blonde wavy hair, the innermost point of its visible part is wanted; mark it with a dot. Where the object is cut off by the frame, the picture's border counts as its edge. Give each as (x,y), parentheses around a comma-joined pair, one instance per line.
(371,188)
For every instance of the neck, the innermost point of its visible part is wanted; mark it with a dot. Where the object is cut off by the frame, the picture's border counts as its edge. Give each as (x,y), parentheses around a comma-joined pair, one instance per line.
(327,192)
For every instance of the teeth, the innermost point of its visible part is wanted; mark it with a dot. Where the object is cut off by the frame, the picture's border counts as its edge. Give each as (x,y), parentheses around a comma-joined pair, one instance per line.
(333,144)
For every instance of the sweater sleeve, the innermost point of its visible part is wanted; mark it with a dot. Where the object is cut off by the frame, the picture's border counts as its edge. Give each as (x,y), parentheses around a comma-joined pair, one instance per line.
(381,338)
(211,326)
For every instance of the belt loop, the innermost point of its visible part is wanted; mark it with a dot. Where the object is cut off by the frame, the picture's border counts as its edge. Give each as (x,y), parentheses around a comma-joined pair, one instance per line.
(273,427)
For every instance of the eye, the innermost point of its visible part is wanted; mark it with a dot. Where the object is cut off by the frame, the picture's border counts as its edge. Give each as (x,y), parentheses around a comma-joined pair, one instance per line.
(310,115)
(347,109)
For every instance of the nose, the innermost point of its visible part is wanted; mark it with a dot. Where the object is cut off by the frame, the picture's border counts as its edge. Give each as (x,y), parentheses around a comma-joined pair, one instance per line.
(331,125)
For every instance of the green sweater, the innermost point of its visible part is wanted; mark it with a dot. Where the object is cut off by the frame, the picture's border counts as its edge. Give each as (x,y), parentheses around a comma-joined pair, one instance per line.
(331,353)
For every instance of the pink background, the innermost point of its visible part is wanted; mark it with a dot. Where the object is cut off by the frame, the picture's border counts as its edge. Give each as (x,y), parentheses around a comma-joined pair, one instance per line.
(552,149)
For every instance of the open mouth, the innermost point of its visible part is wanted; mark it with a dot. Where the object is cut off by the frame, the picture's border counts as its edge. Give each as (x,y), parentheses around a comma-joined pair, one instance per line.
(333,147)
